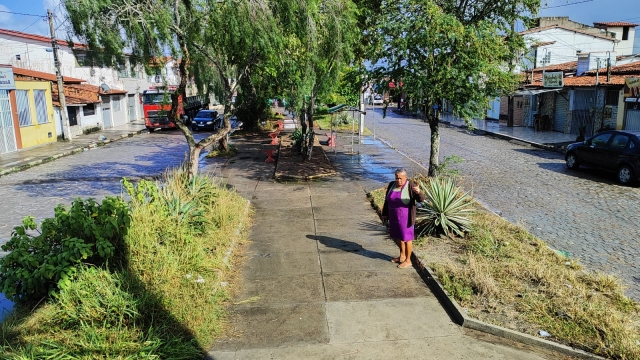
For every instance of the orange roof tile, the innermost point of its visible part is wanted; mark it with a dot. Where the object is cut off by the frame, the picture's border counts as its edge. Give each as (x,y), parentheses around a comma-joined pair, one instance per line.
(22,35)
(631,68)
(589,81)
(568,66)
(43,75)
(615,23)
(539,29)
(98,90)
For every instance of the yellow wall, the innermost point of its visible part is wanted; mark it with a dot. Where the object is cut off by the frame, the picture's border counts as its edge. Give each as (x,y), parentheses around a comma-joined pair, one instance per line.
(37,134)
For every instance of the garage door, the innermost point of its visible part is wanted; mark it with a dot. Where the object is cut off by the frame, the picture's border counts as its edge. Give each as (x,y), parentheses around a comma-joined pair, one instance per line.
(632,119)
(7,132)
(562,105)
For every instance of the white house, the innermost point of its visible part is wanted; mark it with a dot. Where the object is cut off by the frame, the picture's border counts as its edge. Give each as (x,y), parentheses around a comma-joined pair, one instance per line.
(119,90)
(623,31)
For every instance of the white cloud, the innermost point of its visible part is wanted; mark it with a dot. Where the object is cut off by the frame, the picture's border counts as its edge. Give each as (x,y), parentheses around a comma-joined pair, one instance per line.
(6,19)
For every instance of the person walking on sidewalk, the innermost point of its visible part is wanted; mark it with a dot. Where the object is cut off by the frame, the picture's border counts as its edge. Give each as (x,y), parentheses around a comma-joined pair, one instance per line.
(399,211)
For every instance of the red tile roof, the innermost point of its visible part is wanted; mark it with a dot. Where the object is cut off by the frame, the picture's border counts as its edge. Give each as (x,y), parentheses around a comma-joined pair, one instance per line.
(98,90)
(78,94)
(18,34)
(539,29)
(26,73)
(631,68)
(590,80)
(615,24)
(568,66)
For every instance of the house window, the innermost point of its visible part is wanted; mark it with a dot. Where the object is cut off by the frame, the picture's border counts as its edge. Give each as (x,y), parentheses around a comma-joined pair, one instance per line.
(17,56)
(116,103)
(82,60)
(612,97)
(534,103)
(41,106)
(625,33)
(24,108)
(89,109)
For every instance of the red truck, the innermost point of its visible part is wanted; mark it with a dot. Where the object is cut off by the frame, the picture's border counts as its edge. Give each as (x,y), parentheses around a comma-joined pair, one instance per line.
(156,105)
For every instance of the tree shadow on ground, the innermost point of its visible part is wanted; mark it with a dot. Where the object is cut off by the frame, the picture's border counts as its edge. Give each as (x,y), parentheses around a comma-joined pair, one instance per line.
(348,246)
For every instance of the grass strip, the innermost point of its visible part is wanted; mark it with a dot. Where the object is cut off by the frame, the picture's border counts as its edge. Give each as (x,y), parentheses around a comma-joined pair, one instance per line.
(164,298)
(502,274)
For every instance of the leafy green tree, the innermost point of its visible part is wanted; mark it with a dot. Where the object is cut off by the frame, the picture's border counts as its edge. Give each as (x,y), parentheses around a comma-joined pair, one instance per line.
(218,42)
(447,49)
(319,36)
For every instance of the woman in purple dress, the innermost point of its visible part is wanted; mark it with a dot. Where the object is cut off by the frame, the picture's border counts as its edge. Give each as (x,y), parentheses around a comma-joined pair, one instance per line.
(400,211)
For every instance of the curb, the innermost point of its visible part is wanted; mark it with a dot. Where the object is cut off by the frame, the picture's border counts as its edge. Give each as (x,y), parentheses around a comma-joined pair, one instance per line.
(560,148)
(227,255)
(77,150)
(460,317)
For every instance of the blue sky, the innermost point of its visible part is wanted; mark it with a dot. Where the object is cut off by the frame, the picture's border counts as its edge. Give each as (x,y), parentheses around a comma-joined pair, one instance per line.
(584,11)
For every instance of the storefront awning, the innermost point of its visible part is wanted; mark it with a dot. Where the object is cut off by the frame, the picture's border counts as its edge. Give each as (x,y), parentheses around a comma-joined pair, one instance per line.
(534,91)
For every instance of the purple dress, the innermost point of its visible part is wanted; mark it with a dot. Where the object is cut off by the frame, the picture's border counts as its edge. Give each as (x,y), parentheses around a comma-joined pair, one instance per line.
(399,216)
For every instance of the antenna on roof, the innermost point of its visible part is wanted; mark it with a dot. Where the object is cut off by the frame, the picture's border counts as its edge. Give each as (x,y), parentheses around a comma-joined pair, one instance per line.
(105,88)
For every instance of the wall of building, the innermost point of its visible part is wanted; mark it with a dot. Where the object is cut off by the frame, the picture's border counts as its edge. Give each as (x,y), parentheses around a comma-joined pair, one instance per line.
(624,47)
(566,46)
(35,133)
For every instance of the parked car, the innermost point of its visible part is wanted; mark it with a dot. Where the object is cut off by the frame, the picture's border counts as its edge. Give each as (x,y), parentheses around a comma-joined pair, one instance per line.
(377,100)
(206,120)
(614,150)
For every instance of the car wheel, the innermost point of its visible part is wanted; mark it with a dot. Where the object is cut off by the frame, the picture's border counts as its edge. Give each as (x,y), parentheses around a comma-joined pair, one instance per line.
(572,161)
(625,175)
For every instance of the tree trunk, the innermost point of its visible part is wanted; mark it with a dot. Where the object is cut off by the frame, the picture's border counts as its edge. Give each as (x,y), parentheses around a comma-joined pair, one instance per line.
(435,147)
(311,132)
(194,160)
(303,125)
(222,144)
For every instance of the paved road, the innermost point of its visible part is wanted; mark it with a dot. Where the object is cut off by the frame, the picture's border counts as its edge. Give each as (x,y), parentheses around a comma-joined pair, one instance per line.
(582,212)
(96,173)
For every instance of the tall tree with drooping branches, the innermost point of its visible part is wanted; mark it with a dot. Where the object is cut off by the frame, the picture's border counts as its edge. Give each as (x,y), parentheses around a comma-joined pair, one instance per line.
(447,49)
(217,43)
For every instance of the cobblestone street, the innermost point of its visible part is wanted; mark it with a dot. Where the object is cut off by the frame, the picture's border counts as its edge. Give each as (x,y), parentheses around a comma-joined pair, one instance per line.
(96,173)
(582,212)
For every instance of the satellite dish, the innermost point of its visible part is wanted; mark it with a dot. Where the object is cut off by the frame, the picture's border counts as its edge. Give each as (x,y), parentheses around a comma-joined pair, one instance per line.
(105,88)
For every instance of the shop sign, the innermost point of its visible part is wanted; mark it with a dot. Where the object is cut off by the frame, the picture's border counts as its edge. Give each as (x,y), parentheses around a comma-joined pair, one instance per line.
(6,79)
(553,79)
(632,88)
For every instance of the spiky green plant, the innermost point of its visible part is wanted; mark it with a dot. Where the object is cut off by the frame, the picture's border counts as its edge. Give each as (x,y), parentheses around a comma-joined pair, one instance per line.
(446,208)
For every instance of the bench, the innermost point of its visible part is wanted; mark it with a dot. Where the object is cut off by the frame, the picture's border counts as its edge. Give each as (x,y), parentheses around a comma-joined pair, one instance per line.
(331,141)
(274,137)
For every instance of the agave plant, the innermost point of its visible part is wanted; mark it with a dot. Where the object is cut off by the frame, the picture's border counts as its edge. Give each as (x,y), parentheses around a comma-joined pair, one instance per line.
(446,208)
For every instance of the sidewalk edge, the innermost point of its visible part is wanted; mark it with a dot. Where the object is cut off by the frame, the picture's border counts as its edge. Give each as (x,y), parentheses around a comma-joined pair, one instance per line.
(74,151)
(460,317)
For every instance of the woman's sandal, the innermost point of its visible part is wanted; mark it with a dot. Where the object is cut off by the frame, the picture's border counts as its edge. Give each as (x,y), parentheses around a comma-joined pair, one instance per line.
(404,265)
(397,260)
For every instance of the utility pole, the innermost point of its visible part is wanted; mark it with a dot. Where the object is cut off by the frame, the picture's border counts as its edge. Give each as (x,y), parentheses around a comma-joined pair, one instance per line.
(66,129)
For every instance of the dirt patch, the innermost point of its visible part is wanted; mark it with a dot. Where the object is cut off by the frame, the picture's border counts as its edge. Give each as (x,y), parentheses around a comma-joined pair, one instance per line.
(290,165)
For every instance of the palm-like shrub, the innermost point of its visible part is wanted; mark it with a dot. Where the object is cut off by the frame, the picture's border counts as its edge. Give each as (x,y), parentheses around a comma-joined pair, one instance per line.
(446,208)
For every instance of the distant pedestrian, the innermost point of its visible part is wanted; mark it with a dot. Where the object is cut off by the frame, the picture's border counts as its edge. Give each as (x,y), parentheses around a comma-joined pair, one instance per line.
(399,211)
(385,105)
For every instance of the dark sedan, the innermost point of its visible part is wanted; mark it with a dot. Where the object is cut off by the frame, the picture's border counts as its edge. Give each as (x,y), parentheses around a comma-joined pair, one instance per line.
(206,120)
(614,151)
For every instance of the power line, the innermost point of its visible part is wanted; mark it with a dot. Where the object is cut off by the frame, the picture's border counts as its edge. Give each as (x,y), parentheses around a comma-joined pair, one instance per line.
(15,13)
(23,30)
(573,3)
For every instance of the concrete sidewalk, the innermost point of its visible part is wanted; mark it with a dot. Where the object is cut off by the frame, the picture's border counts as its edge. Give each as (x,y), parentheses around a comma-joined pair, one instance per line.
(26,158)
(317,281)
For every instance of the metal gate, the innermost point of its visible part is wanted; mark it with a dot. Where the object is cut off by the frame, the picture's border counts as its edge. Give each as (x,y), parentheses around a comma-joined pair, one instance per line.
(7,132)
(632,119)
(106,112)
(132,108)
(560,115)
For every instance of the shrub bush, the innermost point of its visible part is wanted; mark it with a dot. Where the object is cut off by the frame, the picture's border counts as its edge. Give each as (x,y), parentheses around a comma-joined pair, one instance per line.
(39,264)
(446,209)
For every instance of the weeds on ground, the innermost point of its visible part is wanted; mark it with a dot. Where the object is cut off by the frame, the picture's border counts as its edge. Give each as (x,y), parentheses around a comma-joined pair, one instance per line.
(230,152)
(162,299)
(504,275)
